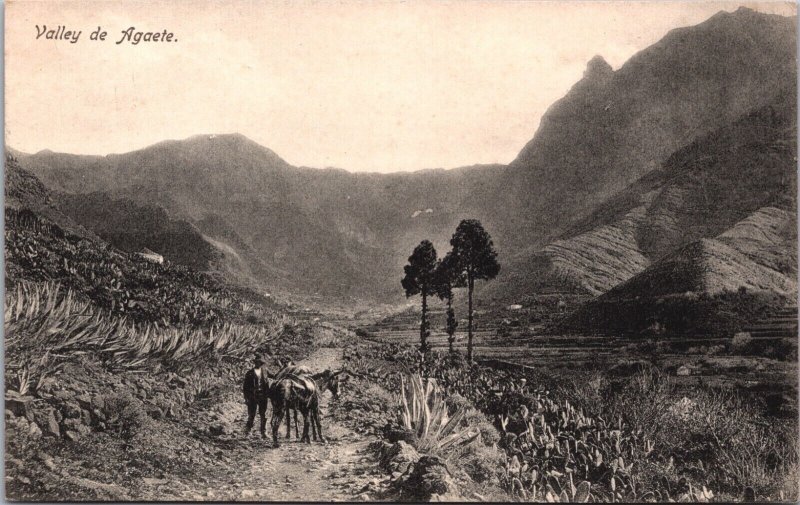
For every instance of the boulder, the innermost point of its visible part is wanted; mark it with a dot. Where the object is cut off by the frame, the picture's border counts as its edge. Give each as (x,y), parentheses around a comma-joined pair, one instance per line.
(84,401)
(155,412)
(396,457)
(49,423)
(179,381)
(429,477)
(71,423)
(63,395)
(99,415)
(19,405)
(14,463)
(98,402)
(34,430)
(76,426)
(86,417)
(114,492)
(71,410)
(397,434)
(217,429)
(21,424)
(46,460)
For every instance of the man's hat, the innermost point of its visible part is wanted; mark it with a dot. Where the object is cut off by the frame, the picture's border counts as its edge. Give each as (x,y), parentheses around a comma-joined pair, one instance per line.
(259,359)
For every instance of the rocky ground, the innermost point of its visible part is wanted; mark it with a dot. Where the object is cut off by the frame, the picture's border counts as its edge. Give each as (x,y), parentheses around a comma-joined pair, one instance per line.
(182,440)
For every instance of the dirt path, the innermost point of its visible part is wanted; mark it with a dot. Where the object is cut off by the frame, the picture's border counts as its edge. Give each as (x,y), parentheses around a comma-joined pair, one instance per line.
(250,469)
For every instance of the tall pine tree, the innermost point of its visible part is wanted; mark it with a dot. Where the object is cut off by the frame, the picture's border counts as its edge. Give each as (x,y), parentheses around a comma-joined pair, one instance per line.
(476,259)
(448,277)
(420,280)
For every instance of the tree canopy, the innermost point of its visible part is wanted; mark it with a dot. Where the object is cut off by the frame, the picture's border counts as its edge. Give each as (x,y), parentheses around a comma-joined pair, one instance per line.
(474,252)
(420,271)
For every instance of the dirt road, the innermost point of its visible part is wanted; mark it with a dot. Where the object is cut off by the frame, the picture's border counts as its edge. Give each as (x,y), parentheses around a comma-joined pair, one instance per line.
(250,469)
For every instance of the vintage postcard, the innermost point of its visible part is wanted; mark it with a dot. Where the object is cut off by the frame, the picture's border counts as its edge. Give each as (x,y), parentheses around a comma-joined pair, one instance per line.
(384,251)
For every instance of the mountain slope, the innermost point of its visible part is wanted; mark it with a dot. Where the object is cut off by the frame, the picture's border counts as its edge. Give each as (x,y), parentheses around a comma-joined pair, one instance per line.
(700,192)
(25,192)
(616,126)
(710,286)
(131,228)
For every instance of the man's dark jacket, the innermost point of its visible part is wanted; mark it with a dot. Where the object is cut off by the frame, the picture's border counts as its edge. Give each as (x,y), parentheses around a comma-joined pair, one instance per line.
(255,389)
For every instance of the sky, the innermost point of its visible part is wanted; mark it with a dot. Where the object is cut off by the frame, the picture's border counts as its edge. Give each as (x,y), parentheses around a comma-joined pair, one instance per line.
(376,86)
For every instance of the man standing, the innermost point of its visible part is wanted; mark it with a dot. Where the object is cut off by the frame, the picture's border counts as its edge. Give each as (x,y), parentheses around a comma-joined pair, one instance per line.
(256,388)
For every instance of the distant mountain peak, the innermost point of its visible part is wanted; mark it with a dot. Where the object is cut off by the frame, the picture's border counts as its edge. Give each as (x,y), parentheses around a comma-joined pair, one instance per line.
(598,68)
(231,137)
(225,145)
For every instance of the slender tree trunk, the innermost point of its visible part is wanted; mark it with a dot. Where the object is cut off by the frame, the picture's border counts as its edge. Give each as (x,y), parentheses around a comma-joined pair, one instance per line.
(471,284)
(450,332)
(423,326)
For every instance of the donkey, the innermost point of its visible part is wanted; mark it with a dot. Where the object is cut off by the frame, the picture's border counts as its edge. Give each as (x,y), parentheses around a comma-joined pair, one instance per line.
(301,393)
(323,381)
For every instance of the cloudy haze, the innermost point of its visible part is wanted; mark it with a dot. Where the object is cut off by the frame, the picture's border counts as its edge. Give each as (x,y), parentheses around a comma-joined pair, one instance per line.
(378,86)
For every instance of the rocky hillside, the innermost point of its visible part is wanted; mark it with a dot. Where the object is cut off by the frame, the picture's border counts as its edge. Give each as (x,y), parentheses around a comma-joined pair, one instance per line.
(708,286)
(44,245)
(132,228)
(23,190)
(735,185)
(330,232)
(616,126)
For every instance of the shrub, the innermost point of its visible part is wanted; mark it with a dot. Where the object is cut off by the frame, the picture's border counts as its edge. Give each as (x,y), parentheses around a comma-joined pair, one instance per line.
(476,419)
(716,349)
(734,444)
(785,349)
(482,463)
(326,337)
(360,332)
(456,402)
(741,342)
(125,415)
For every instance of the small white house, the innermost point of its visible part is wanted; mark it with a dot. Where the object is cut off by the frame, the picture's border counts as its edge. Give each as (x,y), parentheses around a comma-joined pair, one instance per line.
(150,256)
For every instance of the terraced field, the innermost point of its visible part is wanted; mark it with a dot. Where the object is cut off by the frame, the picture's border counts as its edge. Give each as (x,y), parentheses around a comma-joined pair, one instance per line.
(503,338)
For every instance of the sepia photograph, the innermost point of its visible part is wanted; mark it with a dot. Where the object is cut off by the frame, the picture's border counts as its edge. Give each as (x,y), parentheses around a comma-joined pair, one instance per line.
(400,251)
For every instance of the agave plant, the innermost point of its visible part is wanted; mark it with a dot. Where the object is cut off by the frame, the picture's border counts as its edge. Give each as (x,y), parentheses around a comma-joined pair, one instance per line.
(570,494)
(46,316)
(424,412)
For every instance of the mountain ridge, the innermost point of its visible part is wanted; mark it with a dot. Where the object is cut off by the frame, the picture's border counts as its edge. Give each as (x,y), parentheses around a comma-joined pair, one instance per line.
(348,234)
